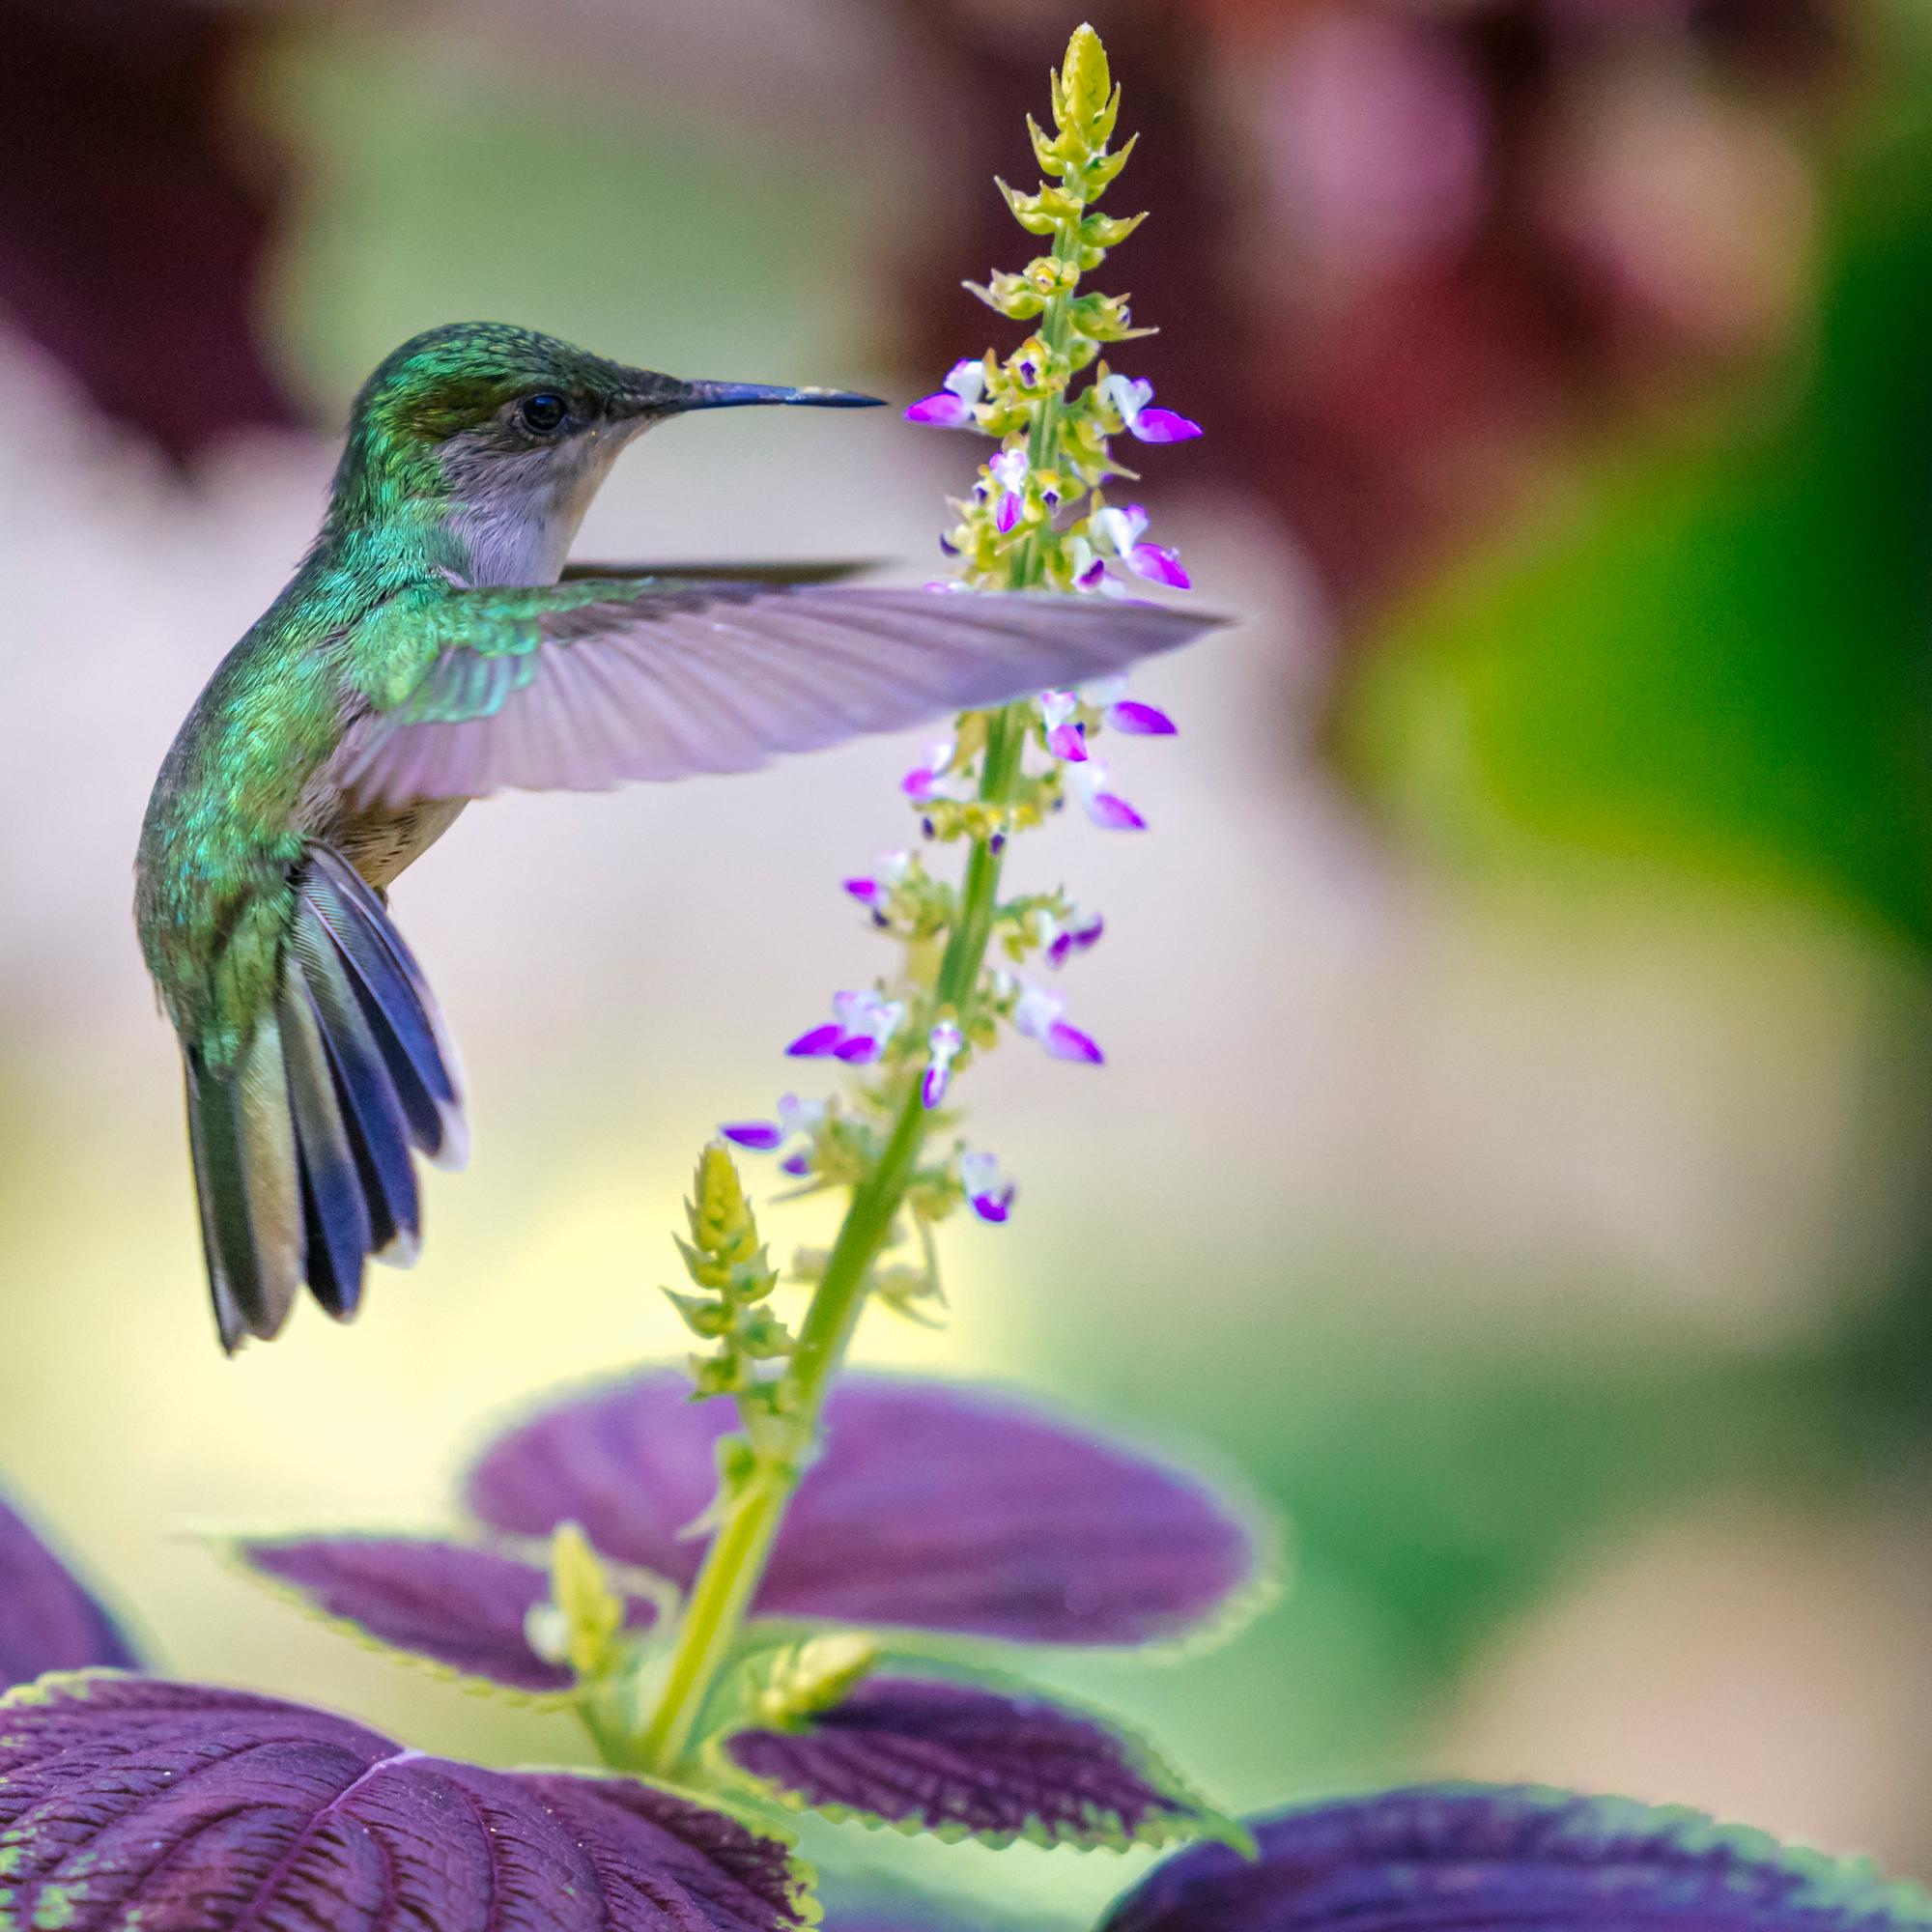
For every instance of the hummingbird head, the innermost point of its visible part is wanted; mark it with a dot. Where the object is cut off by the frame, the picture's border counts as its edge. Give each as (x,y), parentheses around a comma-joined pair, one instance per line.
(506,434)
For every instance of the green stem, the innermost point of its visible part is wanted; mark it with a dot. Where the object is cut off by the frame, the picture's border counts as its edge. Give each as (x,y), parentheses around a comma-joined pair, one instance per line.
(734,1564)
(736,1559)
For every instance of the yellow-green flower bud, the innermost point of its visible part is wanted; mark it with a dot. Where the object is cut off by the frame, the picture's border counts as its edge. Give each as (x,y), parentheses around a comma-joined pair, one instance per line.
(815,1676)
(1082,88)
(721,1222)
(1011,295)
(1108,231)
(582,1623)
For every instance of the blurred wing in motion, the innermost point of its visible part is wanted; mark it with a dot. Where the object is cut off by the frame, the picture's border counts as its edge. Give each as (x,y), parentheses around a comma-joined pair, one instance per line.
(817,570)
(578,686)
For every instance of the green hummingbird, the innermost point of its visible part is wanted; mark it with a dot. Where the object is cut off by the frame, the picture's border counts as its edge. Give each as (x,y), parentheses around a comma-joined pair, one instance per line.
(433,647)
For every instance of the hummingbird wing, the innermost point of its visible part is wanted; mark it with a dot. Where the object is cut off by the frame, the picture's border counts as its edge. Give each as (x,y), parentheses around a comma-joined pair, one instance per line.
(578,686)
(817,570)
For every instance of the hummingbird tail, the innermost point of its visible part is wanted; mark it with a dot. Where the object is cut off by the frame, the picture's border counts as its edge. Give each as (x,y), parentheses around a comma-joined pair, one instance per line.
(302,1150)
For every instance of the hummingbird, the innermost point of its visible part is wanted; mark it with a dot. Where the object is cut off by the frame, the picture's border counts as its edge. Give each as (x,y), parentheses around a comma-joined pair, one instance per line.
(435,646)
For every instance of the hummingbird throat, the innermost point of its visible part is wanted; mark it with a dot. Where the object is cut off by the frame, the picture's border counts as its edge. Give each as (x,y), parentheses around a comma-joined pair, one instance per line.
(513,519)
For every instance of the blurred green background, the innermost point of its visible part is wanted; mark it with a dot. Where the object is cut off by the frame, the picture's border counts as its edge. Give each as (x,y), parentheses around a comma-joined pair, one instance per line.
(1514,1144)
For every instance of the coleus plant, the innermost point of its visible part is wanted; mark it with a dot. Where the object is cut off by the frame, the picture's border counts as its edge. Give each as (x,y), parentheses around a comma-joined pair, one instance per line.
(807,1593)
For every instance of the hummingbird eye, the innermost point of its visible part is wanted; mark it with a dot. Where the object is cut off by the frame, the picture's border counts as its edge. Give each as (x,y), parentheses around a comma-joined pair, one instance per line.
(544,412)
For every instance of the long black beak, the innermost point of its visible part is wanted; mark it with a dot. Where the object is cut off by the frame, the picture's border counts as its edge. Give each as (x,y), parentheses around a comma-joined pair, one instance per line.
(665,395)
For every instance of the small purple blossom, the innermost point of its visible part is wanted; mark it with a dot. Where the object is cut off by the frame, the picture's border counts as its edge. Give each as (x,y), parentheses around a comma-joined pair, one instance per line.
(1132,398)
(951,407)
(1108,696)
(795,1117)
(873,888)
(1072,939)
(944,1043)
(870,1020)
(1140,720)
(1009,469)
(989,1197)
(932,778)
(1120,531)
(1065,736)
(1108,810)
(1037,1014)
(861,1025)
(1159,564)
(798,1165)
(816,1042)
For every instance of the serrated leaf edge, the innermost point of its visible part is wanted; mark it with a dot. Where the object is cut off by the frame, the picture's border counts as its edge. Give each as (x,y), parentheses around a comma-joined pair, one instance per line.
(1193,1818)
(227,1547)
(1836,1879)
(760,1821)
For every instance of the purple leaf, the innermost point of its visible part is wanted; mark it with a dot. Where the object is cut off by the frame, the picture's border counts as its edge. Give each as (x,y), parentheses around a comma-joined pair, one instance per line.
(966,1761)
(185,1809)
(47,1620)
(458,1607)
(935,1506)
(1456,1858)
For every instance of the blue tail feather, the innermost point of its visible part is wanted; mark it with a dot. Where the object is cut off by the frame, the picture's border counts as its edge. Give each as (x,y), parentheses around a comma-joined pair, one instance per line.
(337,1224)
(380,1130)
(302,1147)
(398,1013)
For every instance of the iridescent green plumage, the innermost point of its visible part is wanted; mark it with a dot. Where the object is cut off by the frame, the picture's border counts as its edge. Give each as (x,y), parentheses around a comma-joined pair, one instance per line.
(425,654)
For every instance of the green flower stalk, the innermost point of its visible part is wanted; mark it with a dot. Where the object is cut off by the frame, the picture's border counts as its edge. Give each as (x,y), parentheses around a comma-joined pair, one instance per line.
(1037,518)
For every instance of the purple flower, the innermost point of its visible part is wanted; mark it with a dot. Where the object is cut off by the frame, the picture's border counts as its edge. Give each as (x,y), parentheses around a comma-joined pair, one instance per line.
(875,887)
(1140,720)
(1108,696)
(953,405)
(798,1165)
(1131,398)
(1164,426)
(931,780)
(988,1195)
(1065,736)
(1118,530)
(1036,1015)
(1072,939)
(944,1043)
(795,1117)
(869,1021)
(815,1042)
(863,1023)
(1009,469)
(1159,564)
(1108,810)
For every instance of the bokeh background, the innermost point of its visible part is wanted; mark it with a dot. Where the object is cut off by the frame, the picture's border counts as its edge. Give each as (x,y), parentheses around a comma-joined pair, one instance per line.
(1514,1147)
